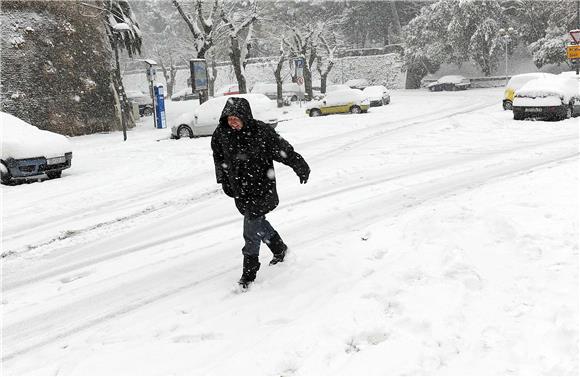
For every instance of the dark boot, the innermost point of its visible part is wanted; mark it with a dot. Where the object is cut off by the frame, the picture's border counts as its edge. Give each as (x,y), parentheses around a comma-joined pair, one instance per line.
(251,267)
(278,248)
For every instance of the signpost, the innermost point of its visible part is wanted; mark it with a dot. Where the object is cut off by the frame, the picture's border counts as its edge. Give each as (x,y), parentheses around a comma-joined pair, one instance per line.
(199,78)
(299,64)
(573,51)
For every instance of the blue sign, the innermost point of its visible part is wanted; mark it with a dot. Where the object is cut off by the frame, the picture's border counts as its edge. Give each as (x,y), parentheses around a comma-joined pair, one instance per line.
(198,70)
(160,106)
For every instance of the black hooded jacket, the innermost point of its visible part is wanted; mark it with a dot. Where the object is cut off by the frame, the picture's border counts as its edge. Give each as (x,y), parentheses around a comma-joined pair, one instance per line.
(244,159)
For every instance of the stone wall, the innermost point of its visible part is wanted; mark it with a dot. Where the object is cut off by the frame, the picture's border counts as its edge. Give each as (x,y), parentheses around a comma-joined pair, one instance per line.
(384,69)
(55,67)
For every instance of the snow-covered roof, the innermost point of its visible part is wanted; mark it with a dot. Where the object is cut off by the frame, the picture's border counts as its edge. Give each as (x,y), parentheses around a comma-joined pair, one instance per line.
(559,86)
(22,140)
(374,91)
(517,81)
(452,79)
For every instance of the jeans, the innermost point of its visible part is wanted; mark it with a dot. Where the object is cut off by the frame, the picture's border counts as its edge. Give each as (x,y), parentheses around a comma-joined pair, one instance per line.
(256,230)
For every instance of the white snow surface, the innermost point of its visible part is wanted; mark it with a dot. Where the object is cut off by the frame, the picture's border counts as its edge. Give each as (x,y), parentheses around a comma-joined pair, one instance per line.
(439,239)
(20,139)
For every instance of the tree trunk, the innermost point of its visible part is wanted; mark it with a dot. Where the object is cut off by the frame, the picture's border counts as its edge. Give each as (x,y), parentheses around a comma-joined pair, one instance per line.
(395,21)
(235,57)
(212,78)
(278,76)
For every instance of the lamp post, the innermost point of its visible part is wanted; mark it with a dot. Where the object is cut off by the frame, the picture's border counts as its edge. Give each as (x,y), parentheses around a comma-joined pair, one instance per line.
(506,35)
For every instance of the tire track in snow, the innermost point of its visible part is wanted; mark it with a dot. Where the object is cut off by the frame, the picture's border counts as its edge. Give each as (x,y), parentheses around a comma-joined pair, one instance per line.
(54,326)
(354,138)
(398,175)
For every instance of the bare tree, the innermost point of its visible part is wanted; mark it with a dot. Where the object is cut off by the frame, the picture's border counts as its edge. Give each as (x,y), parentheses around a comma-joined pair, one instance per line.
(325,65)
(239,52)
(301,44)
(202,29)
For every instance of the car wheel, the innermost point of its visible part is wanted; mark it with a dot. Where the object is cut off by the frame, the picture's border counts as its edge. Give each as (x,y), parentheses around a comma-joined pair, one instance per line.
(355,110)
(294,98)
(507,105)
(518,115)
(54,174)
(184,131)
(147,111)
(5,174)
(315,113)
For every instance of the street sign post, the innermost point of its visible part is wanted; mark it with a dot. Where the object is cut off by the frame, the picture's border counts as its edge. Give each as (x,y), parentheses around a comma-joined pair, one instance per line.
(199,78)
(573,51)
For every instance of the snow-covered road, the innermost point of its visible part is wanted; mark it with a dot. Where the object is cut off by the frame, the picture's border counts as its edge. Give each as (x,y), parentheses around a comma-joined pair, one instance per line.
(435,236)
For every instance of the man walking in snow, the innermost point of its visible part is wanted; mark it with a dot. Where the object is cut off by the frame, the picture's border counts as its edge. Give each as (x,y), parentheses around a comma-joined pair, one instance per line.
(243,151)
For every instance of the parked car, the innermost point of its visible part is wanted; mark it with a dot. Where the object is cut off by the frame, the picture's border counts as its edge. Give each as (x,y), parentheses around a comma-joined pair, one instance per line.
(357,83)
(554,98)
(452,82)
(204,119)
(227,90)
(290,90)
(337,87)
(340,101)
(144,101)
(28,152)
(377,95)
(515,83)
(184,95)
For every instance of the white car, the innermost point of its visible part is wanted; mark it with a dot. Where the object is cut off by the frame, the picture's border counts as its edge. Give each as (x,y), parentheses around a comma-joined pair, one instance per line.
(377,95)
(357,83)
(555,98)
(290,90)
(204,120)
(340,101)
(184,95)
(227,90)
(28,152)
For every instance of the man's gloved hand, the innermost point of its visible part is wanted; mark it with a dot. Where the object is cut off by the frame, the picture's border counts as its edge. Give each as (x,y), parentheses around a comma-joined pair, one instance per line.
(304,176)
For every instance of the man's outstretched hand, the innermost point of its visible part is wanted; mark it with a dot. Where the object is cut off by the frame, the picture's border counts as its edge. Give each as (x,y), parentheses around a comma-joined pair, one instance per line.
(304,176)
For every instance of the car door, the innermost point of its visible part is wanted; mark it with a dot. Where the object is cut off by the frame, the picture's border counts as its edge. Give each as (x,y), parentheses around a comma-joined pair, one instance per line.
(333,104)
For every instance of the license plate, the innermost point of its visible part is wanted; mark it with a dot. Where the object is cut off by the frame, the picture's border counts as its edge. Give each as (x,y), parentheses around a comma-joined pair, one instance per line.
(56,160)
(533,110)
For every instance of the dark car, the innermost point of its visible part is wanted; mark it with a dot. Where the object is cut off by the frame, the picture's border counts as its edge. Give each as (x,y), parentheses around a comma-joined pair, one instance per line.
(144,101)
(449,83)
(30,153)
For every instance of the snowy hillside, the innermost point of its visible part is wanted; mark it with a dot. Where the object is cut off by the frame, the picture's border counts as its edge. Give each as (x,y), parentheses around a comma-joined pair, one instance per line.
(436,235)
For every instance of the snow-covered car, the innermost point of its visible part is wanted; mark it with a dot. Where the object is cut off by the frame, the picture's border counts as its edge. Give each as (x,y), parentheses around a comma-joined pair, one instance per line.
(515,83)
(337,87)
(450,83)
(340,101)
(184,95)
(204,119)
(289,90)
(28,152)
(377,95)
(357,83)
(144,101)
(555,98)
(227,90)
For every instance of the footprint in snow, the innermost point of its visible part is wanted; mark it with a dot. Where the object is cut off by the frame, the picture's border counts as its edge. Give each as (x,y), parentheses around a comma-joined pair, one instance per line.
(80,275)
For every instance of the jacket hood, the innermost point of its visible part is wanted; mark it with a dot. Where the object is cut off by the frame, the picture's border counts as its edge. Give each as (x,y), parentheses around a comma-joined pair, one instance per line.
(239,107)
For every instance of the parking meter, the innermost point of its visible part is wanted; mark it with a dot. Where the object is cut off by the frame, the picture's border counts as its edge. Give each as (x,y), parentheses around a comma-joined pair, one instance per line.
(159,106)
